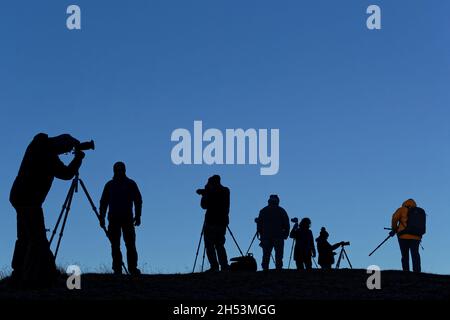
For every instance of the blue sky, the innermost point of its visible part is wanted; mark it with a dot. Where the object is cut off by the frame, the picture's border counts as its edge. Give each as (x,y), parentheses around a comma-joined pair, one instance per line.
(363,116)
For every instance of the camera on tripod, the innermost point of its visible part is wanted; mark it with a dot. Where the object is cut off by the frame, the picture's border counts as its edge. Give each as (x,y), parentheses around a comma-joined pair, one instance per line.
(345,243)
(82,146)
(294,220)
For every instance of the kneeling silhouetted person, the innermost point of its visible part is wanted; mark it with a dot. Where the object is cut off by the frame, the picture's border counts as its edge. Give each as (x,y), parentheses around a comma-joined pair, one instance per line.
(119,195)
(273,229)
(216,201)
(326,250)
(304,249)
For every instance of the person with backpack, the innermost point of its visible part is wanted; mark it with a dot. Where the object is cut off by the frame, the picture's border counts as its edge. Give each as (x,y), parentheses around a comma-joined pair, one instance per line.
(408,223)
(304,249)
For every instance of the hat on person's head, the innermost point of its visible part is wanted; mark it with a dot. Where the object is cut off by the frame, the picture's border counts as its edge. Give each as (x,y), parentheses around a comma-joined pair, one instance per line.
(323,233)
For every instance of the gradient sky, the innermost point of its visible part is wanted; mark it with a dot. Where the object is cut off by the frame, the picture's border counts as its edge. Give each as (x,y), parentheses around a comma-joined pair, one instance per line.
(363,116)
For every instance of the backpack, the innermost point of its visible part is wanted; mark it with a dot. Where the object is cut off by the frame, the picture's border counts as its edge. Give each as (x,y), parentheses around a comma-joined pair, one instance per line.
(244,263)
(416,224)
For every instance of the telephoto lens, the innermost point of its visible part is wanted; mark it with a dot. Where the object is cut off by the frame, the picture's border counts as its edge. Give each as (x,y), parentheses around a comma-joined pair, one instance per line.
(294,220)
(88,145)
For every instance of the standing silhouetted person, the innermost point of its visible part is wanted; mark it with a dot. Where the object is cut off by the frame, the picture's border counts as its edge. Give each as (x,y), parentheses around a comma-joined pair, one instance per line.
(273,229)
(33,263)
(216,201)
(408,222)
(120,194)
(304,249)
(326,250)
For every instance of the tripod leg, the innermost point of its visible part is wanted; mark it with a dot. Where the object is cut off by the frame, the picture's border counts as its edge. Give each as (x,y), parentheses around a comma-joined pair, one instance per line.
(234,239)
(292,251)
(339,260)
(94,208)
(203,260)
(61,233)
(198,248)
(251,243)
(63,209)
(348,260)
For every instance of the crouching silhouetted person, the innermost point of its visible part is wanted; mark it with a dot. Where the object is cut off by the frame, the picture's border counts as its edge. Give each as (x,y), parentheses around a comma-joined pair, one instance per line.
(33,263)
(408,222)
(120,194)
(273,229)
(326,250)
(216,201)
(304,249)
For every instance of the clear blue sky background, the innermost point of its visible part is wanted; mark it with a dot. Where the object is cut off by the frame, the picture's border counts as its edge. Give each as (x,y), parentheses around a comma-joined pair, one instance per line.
(363,115)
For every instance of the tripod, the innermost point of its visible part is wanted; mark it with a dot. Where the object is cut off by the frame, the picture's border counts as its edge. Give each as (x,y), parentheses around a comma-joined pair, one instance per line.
(342,254)
(251,244)
(66,209)
(202,234)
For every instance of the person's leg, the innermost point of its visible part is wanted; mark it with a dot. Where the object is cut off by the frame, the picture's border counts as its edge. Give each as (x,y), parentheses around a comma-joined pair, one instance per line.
(266,246)
(39,262)
(415,255)
(20,248)
(404,249)
(279,252)
(308,262)
(300,261)
(208,236)
(129,237)
(220,247)
(114,231)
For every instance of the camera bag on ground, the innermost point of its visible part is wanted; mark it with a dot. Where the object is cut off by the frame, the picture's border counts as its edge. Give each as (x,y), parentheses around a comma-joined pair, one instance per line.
(416,224)
(244,263)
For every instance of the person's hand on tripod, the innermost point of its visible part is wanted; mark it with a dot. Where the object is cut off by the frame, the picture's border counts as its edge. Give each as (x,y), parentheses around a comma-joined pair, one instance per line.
(137,221)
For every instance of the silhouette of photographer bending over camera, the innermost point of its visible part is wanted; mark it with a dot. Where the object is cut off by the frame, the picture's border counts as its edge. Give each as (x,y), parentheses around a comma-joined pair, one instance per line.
(33,262)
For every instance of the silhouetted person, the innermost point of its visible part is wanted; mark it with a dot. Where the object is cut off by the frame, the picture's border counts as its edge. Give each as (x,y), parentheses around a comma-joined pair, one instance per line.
(33,263)
(273,229)
(216,201)
(326,250)
(120,194)
(408,239)
(304,249)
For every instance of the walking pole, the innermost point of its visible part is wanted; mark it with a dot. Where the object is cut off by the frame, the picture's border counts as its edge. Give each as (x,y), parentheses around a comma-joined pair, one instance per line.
(380,245)
(203,260)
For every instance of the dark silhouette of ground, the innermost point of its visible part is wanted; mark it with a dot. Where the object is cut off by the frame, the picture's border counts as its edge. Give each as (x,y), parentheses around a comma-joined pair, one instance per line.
(274,285)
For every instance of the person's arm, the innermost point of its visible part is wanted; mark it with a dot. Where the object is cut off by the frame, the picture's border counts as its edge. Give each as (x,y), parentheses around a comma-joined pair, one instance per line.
(395,221)
(63,172)
(104,200)
(286,225)
(311,240)
(137,199)
(335,246)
